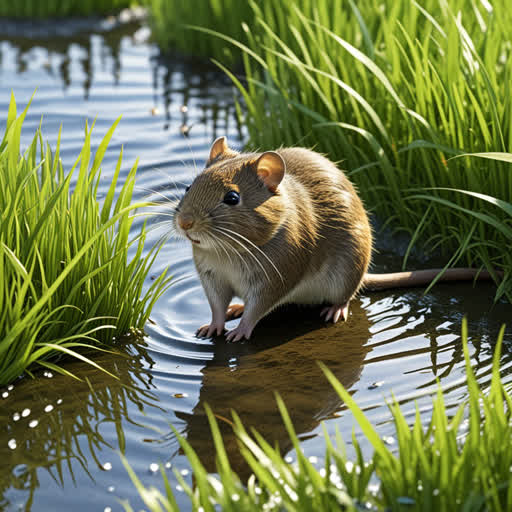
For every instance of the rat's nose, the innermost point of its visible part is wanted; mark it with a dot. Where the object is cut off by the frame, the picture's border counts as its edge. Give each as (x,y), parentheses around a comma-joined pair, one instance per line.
(185,222)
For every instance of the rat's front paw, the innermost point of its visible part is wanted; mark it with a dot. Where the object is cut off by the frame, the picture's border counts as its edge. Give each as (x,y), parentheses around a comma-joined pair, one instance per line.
(239,333)
(209,330)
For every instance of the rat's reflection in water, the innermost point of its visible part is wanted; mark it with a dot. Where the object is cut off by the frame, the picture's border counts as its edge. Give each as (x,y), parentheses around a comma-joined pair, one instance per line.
(281,357)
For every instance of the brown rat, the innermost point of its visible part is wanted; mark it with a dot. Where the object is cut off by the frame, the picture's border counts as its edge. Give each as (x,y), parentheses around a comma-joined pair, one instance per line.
(279,227)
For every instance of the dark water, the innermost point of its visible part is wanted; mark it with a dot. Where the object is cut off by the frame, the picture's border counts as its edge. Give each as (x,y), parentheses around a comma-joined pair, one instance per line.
(60,440)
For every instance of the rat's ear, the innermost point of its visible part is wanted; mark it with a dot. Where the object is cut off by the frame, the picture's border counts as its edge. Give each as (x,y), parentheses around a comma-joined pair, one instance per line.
(270,168)
(219,147)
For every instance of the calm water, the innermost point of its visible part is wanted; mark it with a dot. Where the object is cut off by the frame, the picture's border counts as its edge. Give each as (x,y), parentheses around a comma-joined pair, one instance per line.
(60,439)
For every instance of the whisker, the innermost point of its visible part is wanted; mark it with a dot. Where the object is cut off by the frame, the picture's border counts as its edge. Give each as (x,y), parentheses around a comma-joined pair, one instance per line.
(257,248)
(245,247)
(153,191)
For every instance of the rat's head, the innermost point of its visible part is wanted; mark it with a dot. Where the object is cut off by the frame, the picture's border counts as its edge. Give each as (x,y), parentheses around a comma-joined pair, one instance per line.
(237,200)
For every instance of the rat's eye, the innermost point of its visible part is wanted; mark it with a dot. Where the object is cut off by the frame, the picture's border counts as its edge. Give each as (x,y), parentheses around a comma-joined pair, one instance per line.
(187,188)
(232,198)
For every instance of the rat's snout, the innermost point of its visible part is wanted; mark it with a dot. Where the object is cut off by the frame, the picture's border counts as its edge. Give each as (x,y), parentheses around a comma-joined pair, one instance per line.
(185,221)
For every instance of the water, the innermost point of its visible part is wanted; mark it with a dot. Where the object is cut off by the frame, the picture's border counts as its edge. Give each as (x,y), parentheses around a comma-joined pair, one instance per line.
(61,438)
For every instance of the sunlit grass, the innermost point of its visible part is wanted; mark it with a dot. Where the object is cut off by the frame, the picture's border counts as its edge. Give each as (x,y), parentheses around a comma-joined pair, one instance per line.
(394,91)
(50,8)
(71,273)
(456,461)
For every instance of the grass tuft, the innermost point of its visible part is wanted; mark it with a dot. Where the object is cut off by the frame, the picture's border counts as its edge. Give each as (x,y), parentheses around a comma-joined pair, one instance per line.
(458,461)
(71,275)
(394,90)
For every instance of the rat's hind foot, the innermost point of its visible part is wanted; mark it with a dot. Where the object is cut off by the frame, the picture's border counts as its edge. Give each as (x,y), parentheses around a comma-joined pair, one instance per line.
(335,312)
(210,330)
(234,311)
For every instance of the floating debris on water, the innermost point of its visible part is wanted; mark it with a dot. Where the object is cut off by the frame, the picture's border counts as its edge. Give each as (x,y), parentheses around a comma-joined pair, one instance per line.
(375,385)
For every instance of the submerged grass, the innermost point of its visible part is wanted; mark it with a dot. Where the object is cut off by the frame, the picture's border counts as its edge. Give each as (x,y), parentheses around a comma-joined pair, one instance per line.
(70,274)
(455,462)
(397,92)
(57,8)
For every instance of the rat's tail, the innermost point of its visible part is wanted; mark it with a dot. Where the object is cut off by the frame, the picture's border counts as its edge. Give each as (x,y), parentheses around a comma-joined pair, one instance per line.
(423,277)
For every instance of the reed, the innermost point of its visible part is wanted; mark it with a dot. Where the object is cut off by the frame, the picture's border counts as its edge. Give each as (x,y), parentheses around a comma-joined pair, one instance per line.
(457,461)
(397,92)
(72,274)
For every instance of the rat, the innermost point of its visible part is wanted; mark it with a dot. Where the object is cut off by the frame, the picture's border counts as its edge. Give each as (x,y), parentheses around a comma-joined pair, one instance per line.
(281,227)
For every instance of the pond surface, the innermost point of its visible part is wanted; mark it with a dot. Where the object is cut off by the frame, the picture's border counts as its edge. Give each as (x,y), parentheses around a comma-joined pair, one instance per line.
(60,438)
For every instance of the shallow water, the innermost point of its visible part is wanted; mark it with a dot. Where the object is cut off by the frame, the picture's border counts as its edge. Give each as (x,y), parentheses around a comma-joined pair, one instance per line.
(60,442)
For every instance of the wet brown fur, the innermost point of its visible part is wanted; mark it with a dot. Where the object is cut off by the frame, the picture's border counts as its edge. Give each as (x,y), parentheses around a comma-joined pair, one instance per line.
(313,216)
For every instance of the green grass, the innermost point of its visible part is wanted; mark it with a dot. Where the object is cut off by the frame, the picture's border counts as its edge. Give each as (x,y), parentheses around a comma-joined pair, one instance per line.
(169,18)
(67,281)
(395,91)
(58,8)
(458,461)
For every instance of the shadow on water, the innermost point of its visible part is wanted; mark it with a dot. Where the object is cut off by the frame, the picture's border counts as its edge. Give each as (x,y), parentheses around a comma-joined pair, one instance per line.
(60,437)
(281,358)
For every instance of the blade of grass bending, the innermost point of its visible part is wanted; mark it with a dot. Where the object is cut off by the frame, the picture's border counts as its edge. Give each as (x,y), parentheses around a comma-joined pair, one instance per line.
(500,226)
(359,415)
(234,42)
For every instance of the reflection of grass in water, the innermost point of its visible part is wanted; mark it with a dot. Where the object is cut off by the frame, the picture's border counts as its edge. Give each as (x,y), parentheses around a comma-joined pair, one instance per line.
(393,90)
(68,439)
(48,8)
(460,462)
(67,281)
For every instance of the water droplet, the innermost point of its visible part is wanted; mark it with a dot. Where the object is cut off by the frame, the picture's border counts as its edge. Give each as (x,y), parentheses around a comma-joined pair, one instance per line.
(107,466)
(349,466)
(153,467)
(5,394)
(257,490)
(25,412)
(59,401)
(16,416)
(288,459)
(111,488)
(12,444)
(10,387)
(184,472)
(323,472)
(184,109)
(313,459)
(48,408)
(389,440)
(179,488)
(435,492)
(235,497)
(107,509)
(33,423)
(168,465)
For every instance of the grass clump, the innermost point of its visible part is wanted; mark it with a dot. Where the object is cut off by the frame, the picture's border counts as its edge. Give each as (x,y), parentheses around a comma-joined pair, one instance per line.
(397,92)
(71,274)
(455,462)
(59,8)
